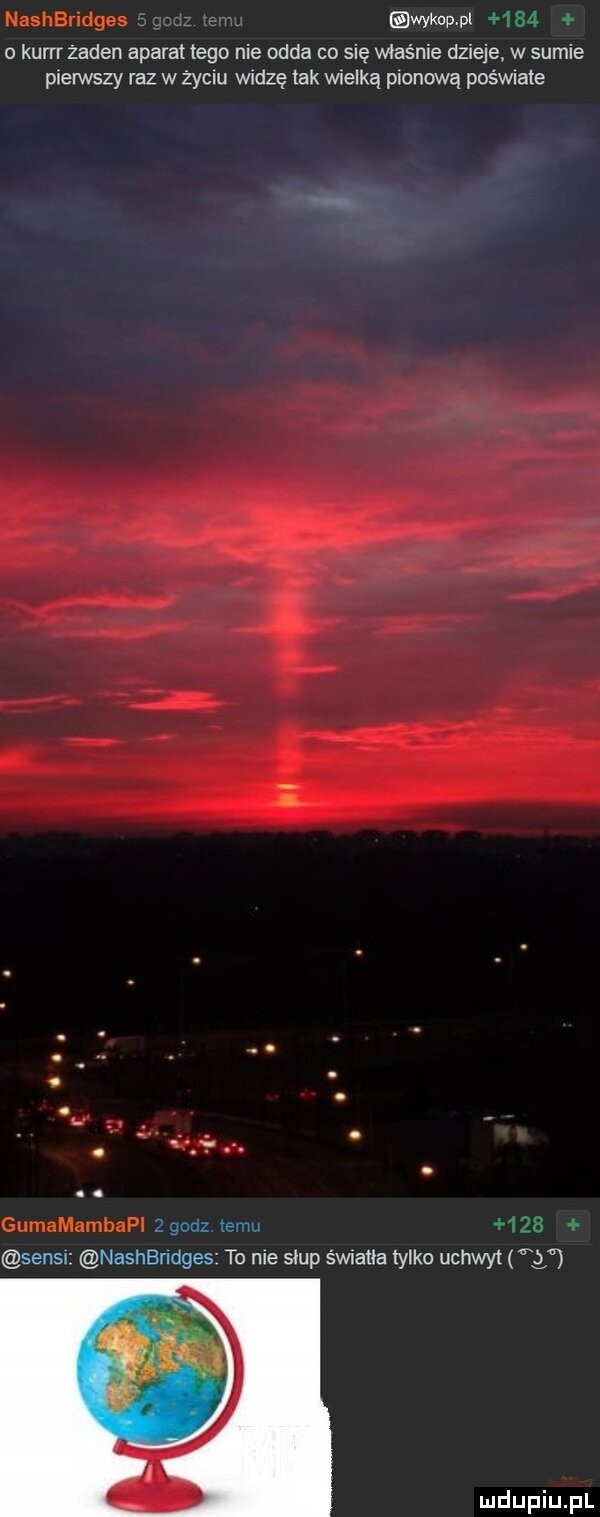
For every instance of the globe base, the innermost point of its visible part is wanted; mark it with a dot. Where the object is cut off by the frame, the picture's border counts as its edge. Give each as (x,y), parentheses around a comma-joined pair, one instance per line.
(154,1491)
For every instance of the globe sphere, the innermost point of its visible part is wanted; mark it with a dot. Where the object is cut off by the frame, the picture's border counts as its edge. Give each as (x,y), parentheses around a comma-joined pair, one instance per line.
(153,1370)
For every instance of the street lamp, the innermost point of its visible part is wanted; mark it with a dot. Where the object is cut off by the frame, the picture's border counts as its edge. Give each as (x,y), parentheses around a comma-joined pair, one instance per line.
(347,957)
(510,952)
(7,974)
(195,961)
(508,960)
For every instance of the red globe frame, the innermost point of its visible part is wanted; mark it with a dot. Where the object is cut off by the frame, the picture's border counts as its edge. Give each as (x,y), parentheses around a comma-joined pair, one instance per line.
(154,1490)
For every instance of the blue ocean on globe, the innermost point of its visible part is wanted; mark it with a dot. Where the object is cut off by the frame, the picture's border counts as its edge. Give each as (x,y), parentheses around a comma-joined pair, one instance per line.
(152,1370)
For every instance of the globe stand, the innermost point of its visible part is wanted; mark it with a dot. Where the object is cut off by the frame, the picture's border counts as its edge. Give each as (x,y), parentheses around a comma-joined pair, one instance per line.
(154,1491)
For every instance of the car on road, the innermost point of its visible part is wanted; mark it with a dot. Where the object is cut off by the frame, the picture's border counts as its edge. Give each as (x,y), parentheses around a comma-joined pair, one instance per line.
(114,1127)
(230,1149)
(199,1145)
(207,1145)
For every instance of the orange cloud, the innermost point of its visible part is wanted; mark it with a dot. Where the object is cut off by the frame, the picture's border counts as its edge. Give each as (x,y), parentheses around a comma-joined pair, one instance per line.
(30,705)
(174,700)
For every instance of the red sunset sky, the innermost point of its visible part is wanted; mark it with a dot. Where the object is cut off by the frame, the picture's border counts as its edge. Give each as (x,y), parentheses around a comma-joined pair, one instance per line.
(300,467)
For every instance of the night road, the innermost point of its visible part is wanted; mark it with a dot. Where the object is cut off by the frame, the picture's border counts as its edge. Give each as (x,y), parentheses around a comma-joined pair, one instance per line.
(135,1168)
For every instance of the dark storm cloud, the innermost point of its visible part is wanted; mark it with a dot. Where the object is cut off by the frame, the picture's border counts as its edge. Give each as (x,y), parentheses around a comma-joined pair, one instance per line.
(175,247)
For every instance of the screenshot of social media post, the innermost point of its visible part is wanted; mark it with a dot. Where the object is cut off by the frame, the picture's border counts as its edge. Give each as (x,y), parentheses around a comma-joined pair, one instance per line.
(158,1372)
(303,53)
(299,785)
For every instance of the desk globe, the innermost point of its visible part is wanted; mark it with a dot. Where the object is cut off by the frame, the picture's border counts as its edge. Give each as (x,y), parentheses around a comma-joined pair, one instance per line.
(165,1374)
